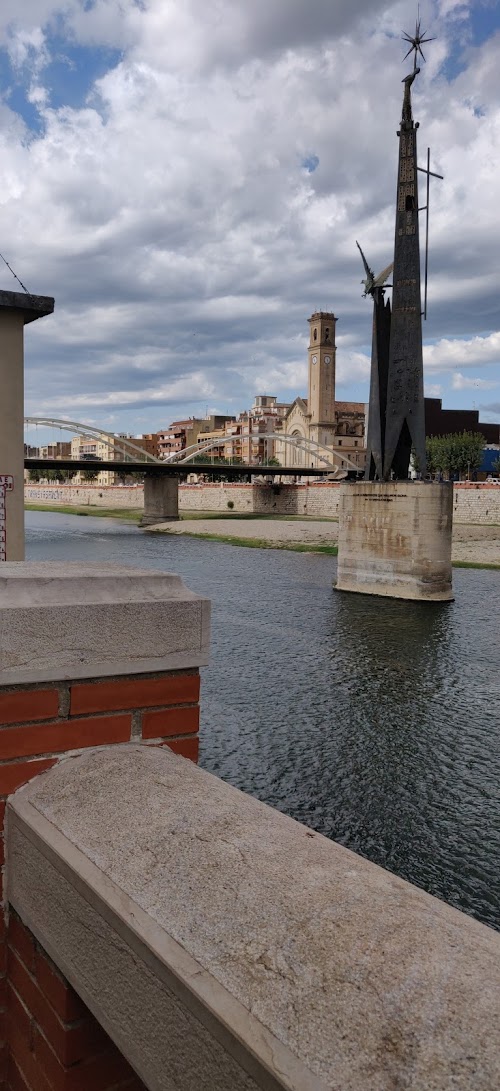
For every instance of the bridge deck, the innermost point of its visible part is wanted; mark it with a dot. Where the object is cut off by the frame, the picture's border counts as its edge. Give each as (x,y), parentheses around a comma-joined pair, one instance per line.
(176,469)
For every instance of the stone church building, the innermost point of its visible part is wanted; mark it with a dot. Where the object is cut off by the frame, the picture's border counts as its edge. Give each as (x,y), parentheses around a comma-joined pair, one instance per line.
(331,425)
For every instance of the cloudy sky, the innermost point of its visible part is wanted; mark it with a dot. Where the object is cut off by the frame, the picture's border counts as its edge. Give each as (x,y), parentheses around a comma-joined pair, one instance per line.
(188,179)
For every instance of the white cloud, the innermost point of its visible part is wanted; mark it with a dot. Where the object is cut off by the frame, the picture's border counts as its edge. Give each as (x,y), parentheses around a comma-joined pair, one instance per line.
(433,390)
(465,382)
(475,352)
(171,217)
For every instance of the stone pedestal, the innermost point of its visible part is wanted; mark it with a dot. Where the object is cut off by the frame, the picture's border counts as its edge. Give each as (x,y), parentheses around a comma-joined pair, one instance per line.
(16,310)
(161,499)
(395,539)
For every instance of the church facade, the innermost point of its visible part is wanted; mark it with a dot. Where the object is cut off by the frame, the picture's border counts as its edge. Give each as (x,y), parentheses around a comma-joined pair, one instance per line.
(328,425)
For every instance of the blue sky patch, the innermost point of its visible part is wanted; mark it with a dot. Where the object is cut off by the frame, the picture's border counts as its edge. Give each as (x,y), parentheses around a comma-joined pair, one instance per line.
(484,20)
(310,162)
(73,71)
(68,78)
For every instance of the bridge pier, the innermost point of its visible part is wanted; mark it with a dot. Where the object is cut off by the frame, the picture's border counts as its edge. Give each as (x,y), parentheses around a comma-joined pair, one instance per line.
(161,499)
(16,310)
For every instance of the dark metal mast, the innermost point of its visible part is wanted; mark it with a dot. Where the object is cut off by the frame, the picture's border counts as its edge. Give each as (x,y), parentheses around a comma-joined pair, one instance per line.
(405,419)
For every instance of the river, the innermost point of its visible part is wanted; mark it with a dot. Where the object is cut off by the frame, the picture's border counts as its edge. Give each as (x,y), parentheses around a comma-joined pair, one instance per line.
(376,722)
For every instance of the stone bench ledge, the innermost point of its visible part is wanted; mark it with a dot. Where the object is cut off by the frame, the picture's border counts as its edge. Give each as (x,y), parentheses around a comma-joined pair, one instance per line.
(223,945)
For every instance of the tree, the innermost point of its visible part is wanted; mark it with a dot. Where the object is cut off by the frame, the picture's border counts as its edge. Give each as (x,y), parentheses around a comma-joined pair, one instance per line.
(90,475)
(496,467)
(457,452)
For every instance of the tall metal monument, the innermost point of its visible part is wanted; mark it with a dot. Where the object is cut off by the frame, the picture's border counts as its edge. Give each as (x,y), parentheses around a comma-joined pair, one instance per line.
(394,534)
(396,415)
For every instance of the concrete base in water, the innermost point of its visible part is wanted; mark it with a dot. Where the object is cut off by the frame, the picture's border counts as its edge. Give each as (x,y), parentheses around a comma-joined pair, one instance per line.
(161,499)
(395,539)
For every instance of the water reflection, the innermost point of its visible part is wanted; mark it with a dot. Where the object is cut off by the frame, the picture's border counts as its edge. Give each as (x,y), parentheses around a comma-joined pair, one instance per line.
(375,721)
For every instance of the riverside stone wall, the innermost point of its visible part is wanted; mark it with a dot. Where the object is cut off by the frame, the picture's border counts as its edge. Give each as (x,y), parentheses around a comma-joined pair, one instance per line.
(472,503)
(476,503)
(79,496)
(261,499)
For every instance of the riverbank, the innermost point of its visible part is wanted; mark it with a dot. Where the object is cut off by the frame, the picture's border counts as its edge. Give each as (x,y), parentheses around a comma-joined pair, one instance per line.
(131,515)
(472,545)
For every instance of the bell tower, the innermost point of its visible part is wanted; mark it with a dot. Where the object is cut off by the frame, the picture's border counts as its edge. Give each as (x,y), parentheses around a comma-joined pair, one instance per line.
(321,391)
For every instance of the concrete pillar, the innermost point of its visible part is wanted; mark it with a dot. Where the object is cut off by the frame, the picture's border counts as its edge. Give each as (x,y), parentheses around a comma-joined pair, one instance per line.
(16,310)
(161,499)
(395,539)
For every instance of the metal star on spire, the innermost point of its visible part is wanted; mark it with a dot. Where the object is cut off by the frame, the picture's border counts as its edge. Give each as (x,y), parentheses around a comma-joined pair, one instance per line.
(416,41)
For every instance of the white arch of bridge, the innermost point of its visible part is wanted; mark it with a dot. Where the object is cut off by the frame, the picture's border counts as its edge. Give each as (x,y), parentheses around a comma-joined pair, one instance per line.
(126,447)
(309,446)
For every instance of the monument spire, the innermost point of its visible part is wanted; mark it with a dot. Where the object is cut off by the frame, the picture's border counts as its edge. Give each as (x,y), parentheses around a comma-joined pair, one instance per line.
(395,535)
(405,420)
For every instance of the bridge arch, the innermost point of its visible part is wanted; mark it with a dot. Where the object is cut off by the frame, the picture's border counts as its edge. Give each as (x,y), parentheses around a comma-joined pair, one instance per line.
(324,454)
(118,444)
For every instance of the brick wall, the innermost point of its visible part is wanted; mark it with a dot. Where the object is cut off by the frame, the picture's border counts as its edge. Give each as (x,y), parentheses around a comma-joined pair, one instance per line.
(55,1044)
(474,503)
(38,724)
(319,499)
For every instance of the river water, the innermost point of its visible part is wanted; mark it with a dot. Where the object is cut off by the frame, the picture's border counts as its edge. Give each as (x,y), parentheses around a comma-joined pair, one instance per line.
(376,722)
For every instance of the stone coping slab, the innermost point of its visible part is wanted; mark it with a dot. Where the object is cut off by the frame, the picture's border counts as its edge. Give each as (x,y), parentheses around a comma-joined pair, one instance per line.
(224,945)
(32,306)
(67,620)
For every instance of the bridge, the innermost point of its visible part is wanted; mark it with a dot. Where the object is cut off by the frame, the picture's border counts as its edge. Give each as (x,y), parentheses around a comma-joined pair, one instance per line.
(162,476)
(131,452)
(177,469)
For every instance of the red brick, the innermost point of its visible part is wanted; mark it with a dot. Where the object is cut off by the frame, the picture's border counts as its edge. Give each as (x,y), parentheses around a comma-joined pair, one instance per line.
(2,813)
(31,704)
(133,693)
(16,773)
(170,721)
(71,1042)
(22,1044)
(20,742)
(4,1057)
(58,991)
(15,1078)
(23,941)
(187,748)
(99,1073)
(24,1068)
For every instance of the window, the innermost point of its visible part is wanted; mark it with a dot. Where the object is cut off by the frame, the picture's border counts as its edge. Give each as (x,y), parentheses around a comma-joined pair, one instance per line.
(315,335)
(340,443)
(410,203)
(327,334)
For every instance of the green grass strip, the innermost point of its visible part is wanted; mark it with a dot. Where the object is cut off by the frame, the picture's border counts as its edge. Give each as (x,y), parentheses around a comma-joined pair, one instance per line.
(474,564)
(262,543)
(132,515)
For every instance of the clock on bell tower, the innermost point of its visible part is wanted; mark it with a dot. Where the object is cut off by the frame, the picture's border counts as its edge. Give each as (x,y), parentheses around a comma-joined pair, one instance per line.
(321,392)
